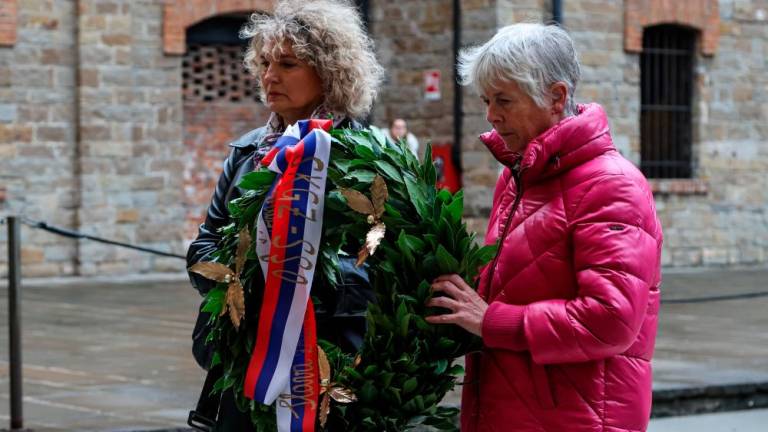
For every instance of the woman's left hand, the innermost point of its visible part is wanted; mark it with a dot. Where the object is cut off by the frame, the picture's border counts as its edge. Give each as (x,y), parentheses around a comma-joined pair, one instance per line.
(466,306)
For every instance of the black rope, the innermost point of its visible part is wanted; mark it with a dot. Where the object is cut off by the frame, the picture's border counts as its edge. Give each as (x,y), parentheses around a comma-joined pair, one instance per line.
(74,234)
(77,235)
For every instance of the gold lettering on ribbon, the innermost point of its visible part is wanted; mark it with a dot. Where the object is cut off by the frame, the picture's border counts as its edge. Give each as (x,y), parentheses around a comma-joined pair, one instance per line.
(297,278)
(300,176)
(319,164)
(311,216)
(303,378)
(306,263)
(315,196)
(311,249)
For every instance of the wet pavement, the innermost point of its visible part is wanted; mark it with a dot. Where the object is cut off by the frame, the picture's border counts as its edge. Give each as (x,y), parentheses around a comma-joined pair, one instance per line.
(113,354)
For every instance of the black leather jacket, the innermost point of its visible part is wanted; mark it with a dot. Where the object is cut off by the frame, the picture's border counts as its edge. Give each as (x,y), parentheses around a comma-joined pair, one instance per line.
(341,312)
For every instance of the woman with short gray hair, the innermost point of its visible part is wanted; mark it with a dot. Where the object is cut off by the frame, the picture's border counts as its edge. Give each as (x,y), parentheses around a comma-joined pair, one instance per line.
(567,310)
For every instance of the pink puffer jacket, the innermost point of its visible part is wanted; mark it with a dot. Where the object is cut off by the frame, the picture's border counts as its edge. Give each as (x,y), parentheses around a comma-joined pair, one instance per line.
(574,296)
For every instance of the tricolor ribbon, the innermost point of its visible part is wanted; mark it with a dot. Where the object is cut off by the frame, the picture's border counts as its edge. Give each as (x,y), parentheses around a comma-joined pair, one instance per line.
(283,364)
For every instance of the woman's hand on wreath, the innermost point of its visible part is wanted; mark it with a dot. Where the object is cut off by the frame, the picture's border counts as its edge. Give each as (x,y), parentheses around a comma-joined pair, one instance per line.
(466,306)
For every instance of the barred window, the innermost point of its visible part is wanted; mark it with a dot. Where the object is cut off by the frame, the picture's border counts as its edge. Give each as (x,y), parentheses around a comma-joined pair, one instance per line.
(212,68)
(666,115)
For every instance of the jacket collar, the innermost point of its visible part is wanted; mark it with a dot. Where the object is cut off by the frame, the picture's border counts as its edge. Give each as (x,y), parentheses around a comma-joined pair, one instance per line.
(570,142)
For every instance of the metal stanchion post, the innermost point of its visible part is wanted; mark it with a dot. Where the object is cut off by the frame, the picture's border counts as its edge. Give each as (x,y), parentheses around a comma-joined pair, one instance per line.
(14,320)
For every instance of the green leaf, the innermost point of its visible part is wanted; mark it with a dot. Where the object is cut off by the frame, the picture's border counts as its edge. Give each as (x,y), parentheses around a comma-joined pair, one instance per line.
(365,152)
(389,170)
(456,208)
(370,370)
(361,176)
(367,392)
(214,301)
(216,359)
(418,197)
(445,261)
(441,365)
(486,253)
(257,179)
(444,196)
(378,136)
(410,385)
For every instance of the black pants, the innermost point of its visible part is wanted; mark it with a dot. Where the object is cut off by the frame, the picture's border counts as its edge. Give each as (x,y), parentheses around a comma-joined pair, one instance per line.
(230,418)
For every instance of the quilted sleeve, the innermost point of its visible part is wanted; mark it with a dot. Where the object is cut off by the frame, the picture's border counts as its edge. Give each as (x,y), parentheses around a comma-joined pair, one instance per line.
(616,241)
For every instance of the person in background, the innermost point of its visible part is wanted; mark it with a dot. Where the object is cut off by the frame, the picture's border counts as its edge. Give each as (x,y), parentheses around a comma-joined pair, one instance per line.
(567,310)
(398,131)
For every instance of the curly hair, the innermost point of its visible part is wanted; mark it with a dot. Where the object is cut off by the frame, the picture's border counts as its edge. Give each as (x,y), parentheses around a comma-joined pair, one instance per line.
(329,36)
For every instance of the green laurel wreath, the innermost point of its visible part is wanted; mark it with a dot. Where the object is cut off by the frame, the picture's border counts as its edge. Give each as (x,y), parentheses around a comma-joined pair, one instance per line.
(405,365)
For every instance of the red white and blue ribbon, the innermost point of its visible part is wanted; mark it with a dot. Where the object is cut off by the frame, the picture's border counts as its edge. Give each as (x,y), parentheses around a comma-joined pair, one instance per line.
(283,364)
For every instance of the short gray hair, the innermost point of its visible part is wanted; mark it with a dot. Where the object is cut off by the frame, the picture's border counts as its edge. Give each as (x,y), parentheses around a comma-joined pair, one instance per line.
(329,35)
(534,56)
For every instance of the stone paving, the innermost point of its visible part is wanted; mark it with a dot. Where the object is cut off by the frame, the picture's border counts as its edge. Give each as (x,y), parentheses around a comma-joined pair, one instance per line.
(113,354)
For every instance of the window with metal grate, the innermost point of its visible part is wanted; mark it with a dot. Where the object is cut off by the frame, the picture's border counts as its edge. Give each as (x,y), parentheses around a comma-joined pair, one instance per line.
(212,68)
(666,111)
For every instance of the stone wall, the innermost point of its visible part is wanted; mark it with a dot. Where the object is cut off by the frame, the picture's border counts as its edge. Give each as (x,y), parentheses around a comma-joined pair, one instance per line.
(728,224)
(37,124)
(122,178)
(131,147)
(413,36)
(721,216)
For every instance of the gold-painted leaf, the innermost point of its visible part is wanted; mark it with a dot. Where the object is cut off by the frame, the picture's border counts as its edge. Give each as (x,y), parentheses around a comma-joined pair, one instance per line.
(325,369)
(213,271)
(242,250)
(379,193)
(342,395)
(374,237)
(362,255)
(357,201)
(236,302)
(325,408)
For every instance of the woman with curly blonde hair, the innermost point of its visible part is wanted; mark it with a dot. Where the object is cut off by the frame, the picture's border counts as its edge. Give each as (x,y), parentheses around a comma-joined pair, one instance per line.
(312,59)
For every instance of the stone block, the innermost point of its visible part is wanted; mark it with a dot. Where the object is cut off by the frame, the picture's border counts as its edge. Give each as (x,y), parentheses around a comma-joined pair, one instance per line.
(52,133)
(127,216)
(8,113)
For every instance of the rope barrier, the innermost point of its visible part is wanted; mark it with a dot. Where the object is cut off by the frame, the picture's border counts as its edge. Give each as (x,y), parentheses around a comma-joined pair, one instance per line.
(78,235)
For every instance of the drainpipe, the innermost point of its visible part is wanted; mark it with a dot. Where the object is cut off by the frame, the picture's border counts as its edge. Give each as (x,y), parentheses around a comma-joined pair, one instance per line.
(557,11)
(458,111)
(78,153)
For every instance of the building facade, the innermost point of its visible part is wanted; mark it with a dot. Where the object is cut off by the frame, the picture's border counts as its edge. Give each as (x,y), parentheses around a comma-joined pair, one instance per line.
(115,114)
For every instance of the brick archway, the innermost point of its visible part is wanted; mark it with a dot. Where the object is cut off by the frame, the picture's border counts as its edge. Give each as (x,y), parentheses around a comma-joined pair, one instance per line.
(180,14)
(703,15)
(8,9)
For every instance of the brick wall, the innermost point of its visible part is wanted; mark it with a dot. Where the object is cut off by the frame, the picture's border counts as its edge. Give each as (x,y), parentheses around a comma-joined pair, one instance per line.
(180,14)
(8,22)
(699,14)
(208,127)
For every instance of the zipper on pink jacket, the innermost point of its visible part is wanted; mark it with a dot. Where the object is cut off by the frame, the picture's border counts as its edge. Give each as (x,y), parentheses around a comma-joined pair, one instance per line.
(515,204)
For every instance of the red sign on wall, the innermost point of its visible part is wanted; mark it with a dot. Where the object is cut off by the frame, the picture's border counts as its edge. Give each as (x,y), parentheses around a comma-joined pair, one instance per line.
(432,84)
